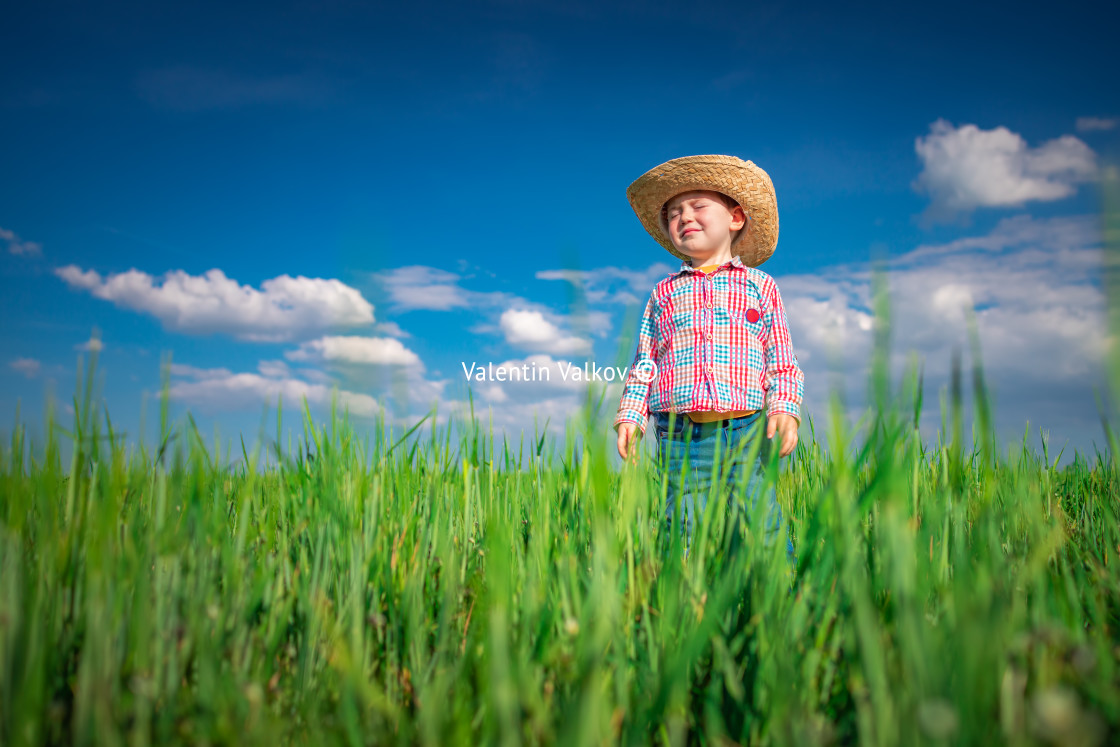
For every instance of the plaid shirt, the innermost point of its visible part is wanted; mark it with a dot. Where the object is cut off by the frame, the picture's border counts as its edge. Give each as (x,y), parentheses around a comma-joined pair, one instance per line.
(719,342)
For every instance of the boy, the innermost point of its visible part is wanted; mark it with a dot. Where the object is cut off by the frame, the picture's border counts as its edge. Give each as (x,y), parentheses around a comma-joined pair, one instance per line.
(713,347)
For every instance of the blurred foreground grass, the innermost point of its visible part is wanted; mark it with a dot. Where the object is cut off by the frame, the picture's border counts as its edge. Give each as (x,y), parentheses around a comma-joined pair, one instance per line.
(430,591)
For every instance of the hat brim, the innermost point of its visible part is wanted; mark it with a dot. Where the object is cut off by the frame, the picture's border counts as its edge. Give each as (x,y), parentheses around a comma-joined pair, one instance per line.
(740,180)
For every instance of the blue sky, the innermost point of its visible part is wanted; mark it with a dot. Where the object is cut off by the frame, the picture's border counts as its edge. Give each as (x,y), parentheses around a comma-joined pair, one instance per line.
(295,198)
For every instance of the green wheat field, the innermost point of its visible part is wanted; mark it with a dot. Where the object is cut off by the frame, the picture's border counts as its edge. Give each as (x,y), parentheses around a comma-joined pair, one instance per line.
(414,589)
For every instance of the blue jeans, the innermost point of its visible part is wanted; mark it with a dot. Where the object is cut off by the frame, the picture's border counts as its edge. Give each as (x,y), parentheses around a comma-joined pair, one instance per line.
(740,478)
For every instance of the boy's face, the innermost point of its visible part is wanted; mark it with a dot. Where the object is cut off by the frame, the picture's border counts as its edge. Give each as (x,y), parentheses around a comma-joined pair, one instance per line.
(700,224)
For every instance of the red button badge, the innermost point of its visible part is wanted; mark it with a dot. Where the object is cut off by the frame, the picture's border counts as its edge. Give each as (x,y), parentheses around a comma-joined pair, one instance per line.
(752,315)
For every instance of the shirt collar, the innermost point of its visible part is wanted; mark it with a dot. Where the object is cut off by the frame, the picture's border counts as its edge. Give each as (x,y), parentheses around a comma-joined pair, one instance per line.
(735,262)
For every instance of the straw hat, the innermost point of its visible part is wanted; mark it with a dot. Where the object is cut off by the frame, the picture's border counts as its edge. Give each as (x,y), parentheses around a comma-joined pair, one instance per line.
(740,180)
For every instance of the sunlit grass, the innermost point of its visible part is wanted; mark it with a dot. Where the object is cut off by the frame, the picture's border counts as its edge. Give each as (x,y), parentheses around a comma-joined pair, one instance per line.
(424,590)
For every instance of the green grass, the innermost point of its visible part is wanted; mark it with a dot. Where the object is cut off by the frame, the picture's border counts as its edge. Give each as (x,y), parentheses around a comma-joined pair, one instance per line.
(360,589)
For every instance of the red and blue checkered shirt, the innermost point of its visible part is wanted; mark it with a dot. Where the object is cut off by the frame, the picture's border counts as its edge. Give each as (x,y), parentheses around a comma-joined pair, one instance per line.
(719,341)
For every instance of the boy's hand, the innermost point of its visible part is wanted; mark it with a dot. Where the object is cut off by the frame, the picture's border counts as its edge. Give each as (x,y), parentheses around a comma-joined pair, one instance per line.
(785,425)
(627,444)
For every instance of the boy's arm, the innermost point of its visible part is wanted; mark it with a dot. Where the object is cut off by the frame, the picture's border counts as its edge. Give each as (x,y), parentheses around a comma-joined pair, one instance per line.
(634,406)
(784,380)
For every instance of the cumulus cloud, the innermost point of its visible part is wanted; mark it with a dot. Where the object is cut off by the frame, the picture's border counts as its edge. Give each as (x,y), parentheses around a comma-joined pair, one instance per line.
(1040,314)
(357,350)
(29,367)
(18,246)
(530,330)
(92,345)
(966,168)
(219,389)
(284,308)
(1096,124)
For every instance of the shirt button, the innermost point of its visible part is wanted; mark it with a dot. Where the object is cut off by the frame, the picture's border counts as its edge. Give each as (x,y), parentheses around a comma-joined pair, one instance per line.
(709,369)
(709,304)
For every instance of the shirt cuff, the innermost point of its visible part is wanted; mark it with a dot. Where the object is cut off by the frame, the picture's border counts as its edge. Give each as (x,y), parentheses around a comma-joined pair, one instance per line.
(780,406)
(631,416)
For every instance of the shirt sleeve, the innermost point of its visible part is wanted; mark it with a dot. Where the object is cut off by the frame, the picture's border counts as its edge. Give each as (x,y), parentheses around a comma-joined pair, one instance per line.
(634,406)
(784,381)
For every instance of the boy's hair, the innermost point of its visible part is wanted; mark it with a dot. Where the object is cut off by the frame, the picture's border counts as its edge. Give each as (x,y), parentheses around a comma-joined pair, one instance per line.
(729,202)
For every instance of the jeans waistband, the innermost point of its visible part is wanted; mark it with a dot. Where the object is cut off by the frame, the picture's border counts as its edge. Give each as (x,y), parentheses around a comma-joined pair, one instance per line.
(662,418)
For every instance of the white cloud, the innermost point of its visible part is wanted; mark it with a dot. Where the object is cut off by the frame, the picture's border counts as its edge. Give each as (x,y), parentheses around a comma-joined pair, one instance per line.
(19,247)
(373,364)
(1096,124)
(1055,235)
(965,168)
(274,369)
(392,329)
(408,387)
(529,330)
(1040,313)
(358,350)
(219,389)
(418,287)
(532,327)
(608,284)
(29,367)
(595,322)
(285,308)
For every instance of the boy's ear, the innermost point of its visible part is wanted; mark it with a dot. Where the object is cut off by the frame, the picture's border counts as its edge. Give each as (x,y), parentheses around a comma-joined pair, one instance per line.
(738,218)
